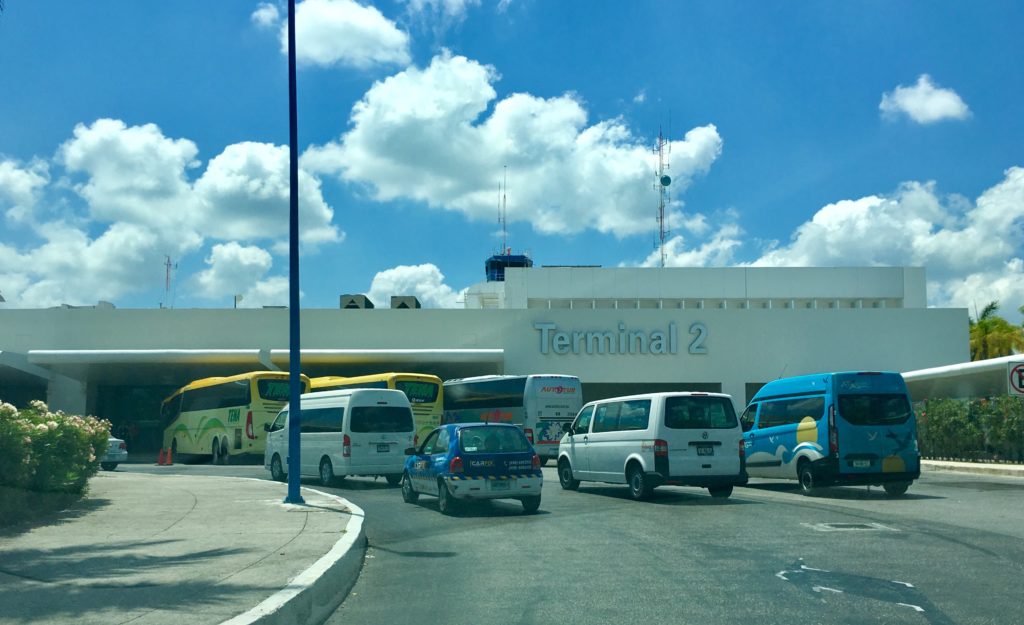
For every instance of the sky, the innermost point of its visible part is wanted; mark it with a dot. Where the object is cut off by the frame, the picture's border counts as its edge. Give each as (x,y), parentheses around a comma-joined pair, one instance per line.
(145,139)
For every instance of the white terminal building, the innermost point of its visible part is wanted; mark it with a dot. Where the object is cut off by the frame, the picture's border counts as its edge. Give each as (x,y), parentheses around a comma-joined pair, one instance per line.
(621,330)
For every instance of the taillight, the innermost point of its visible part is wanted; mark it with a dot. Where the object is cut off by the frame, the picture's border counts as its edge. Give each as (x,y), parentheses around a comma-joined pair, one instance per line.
(529,434)
(743,448)
(833,433)
(455,466)
(536,461)
(122,445)
(346,447)
(248,427)
(660,448)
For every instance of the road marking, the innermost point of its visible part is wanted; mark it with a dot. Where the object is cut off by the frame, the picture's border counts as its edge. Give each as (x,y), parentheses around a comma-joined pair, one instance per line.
(849,527)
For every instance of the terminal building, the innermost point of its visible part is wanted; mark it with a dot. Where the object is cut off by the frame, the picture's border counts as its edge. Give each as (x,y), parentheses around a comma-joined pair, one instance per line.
(620,330)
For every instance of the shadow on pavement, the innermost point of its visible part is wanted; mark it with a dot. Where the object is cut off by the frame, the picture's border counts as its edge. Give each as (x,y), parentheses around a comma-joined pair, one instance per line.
(852,493)
(416,554)
(49,509)
(664,497)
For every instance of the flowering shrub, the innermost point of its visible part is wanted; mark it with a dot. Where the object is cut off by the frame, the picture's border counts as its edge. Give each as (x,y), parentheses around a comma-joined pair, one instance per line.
(49,451)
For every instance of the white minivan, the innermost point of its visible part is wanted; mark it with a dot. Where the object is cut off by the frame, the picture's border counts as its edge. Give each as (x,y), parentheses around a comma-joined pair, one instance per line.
(645,441)
(346,432)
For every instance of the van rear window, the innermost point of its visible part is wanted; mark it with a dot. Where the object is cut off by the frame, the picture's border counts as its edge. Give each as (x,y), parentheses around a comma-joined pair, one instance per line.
(381,419)
(874,409)
(704,413)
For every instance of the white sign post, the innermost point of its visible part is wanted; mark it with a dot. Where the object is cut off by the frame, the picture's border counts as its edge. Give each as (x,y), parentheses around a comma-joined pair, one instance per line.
(1015,371)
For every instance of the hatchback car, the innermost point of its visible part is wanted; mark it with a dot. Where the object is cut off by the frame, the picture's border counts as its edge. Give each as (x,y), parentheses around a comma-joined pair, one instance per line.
(463,461)
(117,452)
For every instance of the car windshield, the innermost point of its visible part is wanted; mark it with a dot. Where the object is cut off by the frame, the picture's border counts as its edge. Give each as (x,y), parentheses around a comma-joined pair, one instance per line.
(487,439)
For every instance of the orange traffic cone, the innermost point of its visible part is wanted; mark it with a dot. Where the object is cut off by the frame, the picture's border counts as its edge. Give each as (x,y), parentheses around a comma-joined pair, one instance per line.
(160,459)
(170,457)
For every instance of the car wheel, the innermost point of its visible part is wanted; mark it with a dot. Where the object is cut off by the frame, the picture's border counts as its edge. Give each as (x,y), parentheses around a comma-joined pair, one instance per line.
(565,478)
(445,501)
(394,479)
(110,466)
(895,489)
(531,504)
(806,475)
(722,492)
(276,470)
(409,495)
(326,472)
(639,486)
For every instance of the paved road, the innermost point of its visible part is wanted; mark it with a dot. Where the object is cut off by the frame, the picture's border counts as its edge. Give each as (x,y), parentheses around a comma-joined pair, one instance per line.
(951,551)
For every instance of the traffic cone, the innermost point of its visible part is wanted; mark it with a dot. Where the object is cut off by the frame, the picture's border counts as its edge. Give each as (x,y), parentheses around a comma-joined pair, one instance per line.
(160,459)
(170,457)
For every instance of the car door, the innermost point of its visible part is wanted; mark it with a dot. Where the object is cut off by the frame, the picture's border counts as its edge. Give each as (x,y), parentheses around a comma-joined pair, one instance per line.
(576,443)
(420,466)
(438,463)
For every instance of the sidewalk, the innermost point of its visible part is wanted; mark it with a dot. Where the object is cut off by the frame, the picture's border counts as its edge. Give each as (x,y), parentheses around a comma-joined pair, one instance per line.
(166,550)
(1013,470)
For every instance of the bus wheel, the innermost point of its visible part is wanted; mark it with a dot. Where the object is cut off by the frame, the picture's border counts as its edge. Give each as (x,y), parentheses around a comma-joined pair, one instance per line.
(895,489)
(326,472)
(215,451)
(225,457)
(276,470)
(806,475)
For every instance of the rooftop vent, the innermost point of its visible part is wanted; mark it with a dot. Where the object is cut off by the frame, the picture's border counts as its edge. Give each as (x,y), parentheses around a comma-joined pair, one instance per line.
(405,301)
(355,302)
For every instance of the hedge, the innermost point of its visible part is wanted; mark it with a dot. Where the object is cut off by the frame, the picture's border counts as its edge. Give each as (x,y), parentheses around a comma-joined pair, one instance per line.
(976,429)
(49,451)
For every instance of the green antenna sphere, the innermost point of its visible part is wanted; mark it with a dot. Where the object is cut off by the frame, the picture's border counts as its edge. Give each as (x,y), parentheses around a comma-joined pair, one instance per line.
(666,180)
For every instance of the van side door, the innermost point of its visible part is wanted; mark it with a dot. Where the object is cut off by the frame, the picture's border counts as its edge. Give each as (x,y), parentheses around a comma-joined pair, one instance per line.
(576,442)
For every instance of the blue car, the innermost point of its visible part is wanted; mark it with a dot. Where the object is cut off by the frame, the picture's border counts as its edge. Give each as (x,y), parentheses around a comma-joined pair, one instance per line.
(461,461)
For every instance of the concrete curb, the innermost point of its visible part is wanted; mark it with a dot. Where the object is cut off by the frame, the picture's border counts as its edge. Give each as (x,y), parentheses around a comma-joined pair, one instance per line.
(314,594)
(1012,470)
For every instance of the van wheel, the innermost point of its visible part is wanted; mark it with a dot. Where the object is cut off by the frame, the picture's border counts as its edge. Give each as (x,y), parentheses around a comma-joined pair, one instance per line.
(565,476)
(806,475)
(445,501)
(326,472)
(408,494)
(276,470)
(393,479)
(895,489)
(531,504)
(639,486)
(722,492)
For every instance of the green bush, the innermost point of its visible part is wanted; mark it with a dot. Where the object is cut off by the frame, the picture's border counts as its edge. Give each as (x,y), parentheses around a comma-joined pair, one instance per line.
(975,429)
(49,451)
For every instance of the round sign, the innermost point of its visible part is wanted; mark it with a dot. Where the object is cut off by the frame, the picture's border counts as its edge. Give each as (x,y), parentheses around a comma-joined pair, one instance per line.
(666,180)
(1017,380)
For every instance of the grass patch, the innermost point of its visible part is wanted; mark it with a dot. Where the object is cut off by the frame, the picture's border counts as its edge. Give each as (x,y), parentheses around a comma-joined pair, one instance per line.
(26,506)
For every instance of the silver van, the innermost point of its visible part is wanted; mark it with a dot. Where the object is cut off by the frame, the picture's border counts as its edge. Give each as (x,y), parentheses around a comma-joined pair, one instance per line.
(645,441)
(346,432)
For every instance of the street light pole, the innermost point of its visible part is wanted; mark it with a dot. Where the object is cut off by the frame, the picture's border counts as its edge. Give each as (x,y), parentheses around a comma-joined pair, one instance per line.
(294,350)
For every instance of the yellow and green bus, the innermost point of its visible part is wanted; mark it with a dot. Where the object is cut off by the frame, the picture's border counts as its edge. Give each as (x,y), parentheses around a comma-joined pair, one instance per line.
(224,417)
(424,391)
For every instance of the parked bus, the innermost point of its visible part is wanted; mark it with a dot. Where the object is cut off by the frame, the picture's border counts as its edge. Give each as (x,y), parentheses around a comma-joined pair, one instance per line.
(224,417)
(540,404)
(834,429)
(424,392)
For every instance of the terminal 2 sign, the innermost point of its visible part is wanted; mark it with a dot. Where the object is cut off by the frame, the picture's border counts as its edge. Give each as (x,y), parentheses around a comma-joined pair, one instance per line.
(555,340)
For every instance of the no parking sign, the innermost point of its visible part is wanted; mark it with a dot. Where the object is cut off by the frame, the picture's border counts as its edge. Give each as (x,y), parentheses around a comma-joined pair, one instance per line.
(1016,373)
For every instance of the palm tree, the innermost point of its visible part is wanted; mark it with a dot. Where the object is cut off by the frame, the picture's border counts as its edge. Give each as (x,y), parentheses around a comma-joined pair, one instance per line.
(992,336)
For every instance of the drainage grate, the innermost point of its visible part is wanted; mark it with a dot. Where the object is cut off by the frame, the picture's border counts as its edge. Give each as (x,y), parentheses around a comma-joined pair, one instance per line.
(849,527)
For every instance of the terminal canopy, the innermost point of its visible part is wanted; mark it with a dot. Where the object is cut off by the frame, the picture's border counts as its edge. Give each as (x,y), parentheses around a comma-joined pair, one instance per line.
(981,378)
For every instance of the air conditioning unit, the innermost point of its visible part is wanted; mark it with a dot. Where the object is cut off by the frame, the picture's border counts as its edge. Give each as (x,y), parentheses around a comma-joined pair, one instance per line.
(355,301)
(405,301)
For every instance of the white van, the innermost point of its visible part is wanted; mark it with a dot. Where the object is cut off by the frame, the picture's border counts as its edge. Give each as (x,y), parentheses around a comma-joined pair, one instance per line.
(347,432)
(645,441)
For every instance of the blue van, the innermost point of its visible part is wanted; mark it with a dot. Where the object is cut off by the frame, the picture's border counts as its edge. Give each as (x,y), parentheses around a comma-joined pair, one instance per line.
(829,429)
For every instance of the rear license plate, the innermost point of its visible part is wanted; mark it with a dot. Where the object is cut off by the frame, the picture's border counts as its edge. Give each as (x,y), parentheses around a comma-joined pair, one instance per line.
(383,448)
(861,464)
(705,450)
(501,485)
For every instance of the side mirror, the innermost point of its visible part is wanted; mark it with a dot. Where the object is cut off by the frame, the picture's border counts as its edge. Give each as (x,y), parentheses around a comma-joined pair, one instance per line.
(567,428)
(410,451)
(266,427)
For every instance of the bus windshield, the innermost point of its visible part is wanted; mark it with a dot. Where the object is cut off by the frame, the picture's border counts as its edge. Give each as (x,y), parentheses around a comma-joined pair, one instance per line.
(874,409)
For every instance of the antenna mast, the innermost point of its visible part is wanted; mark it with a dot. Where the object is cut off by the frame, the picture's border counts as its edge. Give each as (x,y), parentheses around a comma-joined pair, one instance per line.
(663,148)
(169,266)
(503,212)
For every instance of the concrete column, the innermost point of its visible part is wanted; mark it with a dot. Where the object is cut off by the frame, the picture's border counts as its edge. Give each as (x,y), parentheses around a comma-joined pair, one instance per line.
(67,394)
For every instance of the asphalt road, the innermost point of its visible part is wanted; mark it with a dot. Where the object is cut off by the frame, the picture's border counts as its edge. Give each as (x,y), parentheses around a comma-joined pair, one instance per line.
(950,551)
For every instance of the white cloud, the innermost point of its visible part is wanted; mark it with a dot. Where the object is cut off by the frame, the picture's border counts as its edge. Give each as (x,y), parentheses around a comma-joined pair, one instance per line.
(925,103)
(718,251)
(503,5)
(418,135)
(640,97)
(444,13)
(972,251)
(266,15)
(425,281)
(235,269)
(20,186)
(344,32)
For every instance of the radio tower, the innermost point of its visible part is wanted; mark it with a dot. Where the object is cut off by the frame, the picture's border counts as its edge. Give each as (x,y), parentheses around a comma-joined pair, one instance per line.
(169,266)
(503,212)
(663,148)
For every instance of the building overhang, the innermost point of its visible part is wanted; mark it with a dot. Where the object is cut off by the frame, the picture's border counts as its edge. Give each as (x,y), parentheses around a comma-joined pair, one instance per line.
(981,378)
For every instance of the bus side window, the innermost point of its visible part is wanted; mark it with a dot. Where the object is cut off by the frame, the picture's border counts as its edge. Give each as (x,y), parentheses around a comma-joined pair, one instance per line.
(747,418)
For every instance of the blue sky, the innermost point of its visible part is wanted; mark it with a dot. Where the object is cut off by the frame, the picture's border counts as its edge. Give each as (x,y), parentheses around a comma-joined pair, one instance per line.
(829,133)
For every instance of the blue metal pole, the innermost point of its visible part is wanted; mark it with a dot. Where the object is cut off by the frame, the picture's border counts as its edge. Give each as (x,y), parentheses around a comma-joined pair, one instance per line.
(294,345)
